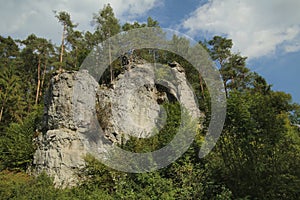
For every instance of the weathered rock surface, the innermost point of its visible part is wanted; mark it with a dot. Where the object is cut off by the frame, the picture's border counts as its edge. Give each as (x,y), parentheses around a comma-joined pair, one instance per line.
(76,104)
(134,102)
(61,149)
(60,154)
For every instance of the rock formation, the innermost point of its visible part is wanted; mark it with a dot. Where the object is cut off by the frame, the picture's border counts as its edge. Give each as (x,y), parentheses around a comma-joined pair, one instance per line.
(61,149)
(131,106)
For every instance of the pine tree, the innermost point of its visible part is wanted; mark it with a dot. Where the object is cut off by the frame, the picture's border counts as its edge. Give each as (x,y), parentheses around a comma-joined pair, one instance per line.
(106,25)
(65,19)
(232,66)
(12,103)
(40,50)
(9,50)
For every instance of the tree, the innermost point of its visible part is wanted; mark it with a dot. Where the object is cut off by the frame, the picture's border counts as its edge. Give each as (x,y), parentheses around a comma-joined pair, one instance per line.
(9,50)
(65,19)
(258,84)
(17,148)
(11,104)
(10,82)
(127,26)
(252,153)
(256,157)
(106,25)
(39,49)
(232,66)
(152,23)
(78,48)
(234,72)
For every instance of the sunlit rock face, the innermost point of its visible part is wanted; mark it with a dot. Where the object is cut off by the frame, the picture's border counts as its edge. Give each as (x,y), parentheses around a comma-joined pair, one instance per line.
(81,114)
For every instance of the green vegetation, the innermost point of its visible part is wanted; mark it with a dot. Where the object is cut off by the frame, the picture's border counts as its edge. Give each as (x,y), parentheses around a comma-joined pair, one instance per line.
(256,157)
(160,139)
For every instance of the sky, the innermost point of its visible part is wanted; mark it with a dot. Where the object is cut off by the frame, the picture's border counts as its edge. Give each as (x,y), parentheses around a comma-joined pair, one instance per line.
(267,32)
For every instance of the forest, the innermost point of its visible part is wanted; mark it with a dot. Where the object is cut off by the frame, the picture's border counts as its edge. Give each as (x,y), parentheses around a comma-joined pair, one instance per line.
(256,157)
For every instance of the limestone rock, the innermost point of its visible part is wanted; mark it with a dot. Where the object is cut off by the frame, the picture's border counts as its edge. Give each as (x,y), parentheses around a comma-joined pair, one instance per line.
(134,107)
(60,153)
(133,104)
(80,113)
(62,147)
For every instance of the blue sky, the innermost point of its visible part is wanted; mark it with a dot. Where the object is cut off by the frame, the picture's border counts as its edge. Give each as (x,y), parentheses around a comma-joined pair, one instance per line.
(267,32)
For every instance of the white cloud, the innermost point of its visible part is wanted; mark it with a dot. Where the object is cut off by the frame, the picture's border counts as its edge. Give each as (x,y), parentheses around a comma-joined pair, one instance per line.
(21,18)
(257,27)
(292,48)
(132,8)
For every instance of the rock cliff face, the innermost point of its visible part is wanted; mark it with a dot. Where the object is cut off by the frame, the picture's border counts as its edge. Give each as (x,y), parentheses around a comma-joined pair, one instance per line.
(61,149)
(131,106)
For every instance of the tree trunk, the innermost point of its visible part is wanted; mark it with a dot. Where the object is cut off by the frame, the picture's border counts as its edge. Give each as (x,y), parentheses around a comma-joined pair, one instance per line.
(62,47)
(201,86)
(225,87)
(38,83)
(154,60)
(1,112)
(76,57)
(43,77)
(110,64)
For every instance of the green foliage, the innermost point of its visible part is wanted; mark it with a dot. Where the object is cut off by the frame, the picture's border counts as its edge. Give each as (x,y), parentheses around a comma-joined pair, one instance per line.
(10,181)
(221,49)
(257,156)
(163,137)
(145,186)
(295,115)
(12,104)
(232,67)
(74,44)
(21,186)
(16,143)
(127,26)
(8,50)
(252,152)
(99,176)
(106,24)
(65,19)
(150,23)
